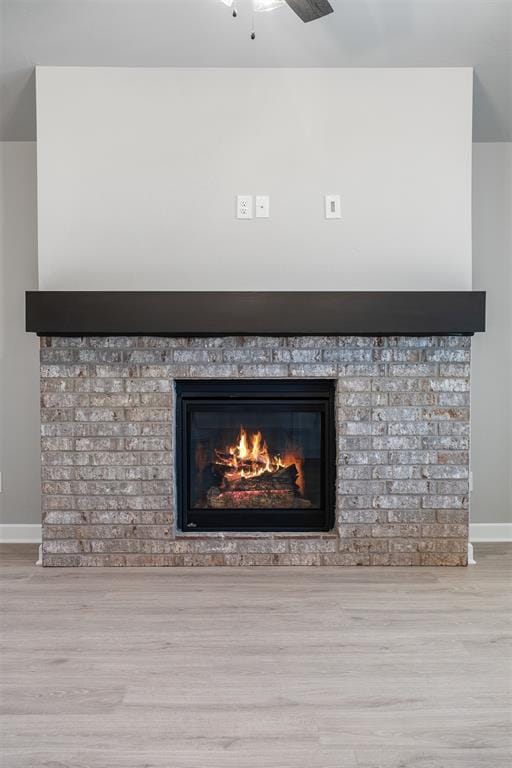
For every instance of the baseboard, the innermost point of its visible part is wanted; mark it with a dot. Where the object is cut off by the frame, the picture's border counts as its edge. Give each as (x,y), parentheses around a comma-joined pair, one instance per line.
(490,532)
(31,534)
(20,534)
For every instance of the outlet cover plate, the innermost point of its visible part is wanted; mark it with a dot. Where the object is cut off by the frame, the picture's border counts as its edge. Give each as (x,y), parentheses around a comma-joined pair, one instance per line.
(244,206)
(262,206)
(333,207)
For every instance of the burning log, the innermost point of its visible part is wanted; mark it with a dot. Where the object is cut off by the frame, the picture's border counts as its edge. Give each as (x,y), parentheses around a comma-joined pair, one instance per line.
(270,490)
(284,478)
(255,499)
(247,465)
(248,476)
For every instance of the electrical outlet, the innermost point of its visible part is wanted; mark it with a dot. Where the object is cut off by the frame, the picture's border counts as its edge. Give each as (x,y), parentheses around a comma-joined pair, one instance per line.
(332,207)
(470,484)
(244,206)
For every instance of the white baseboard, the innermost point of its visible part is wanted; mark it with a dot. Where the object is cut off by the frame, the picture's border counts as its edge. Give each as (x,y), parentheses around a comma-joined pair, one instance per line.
(31,534)
(20,534)
(490,532)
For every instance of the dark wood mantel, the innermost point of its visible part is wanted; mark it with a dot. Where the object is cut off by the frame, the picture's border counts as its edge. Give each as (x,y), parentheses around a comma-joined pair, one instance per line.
(218,313)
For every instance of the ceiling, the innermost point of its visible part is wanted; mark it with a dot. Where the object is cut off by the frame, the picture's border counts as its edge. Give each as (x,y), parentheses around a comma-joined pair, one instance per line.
(361,33)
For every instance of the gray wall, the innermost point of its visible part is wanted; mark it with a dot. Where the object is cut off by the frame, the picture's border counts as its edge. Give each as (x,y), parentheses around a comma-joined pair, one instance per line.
(491,389)
(19,352)
(492,355)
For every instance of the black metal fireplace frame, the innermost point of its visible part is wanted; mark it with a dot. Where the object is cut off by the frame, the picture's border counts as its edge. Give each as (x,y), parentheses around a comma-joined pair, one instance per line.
(319,393)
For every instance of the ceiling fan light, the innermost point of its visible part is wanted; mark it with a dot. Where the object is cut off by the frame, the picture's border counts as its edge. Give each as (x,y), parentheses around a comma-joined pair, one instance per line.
(262,6)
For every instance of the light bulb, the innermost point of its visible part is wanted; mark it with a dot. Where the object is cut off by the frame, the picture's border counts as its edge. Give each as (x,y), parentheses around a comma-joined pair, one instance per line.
(267,5)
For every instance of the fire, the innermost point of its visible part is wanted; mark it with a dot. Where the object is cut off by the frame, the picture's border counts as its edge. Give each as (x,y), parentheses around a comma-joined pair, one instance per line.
(250,457)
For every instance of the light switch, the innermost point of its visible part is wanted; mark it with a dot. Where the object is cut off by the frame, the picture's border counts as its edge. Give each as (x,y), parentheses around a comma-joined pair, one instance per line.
(244,206)
(262,206)
(332,207)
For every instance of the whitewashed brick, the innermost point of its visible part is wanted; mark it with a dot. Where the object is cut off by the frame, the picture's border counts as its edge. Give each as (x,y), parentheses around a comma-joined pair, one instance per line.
(402,421)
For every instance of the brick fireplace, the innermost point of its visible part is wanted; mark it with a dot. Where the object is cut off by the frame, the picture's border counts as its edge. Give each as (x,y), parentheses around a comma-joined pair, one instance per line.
(108,442)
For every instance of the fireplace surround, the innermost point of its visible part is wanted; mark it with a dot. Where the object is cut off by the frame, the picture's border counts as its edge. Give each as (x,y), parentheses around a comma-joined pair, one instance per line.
(393,438)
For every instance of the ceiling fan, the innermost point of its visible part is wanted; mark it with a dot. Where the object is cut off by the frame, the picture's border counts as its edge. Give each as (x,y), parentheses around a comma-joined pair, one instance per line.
(306,10)
(309,10)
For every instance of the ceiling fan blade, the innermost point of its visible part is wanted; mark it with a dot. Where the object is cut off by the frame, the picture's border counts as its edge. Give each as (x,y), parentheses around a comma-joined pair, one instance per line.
(309,10)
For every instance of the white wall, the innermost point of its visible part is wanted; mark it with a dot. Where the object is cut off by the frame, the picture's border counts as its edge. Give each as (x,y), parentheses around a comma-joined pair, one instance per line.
(19,351)
(491,371)
(138,171)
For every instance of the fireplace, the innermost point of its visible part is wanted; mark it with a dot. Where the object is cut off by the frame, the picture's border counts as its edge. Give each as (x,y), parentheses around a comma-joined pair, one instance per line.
(255,455)
(186,429)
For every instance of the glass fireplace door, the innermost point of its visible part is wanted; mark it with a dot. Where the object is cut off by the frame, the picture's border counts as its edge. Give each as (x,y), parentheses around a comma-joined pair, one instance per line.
(255,455)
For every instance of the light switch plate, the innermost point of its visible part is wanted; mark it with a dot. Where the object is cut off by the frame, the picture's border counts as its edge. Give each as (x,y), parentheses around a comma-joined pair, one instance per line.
(262,206)
(332,207)
(244,206)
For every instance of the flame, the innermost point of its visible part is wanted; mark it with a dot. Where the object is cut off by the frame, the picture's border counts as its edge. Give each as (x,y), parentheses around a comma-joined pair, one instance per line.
(250,457)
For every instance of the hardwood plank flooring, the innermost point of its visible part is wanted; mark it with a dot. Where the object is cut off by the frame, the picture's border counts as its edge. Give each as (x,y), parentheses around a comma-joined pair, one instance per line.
(256,667)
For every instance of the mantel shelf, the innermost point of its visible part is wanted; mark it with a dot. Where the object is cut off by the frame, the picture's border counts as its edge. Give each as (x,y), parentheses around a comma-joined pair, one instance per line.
(275,313)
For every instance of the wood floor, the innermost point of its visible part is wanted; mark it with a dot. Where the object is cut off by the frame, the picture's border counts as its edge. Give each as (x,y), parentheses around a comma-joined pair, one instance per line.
(259,668)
